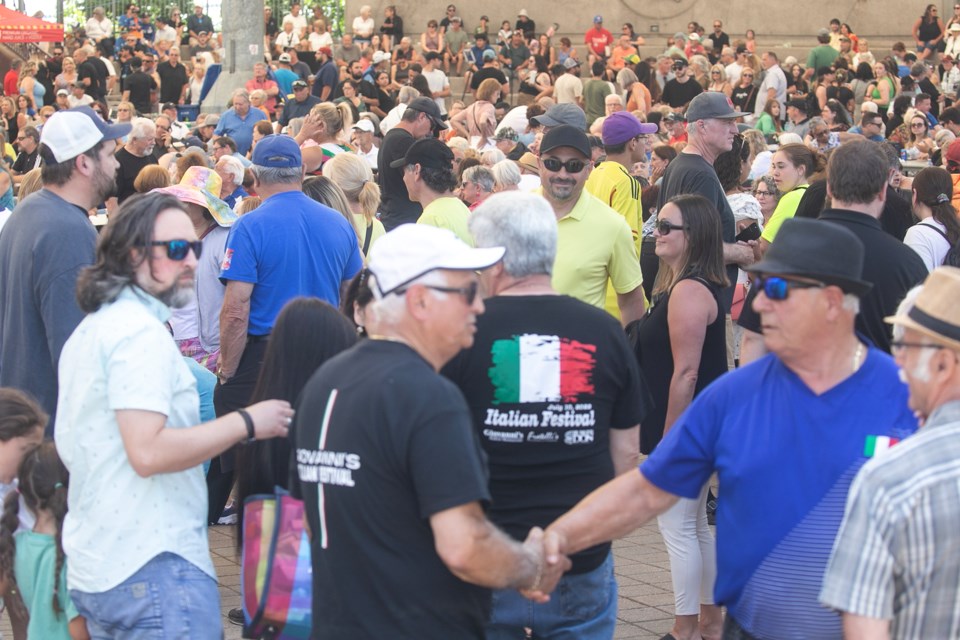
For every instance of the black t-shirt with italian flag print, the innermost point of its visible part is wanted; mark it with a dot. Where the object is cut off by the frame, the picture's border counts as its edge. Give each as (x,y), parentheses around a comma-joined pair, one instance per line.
(381,443)
(546,380)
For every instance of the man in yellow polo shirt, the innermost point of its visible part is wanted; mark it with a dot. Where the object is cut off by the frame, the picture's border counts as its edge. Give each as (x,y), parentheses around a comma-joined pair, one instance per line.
(594,241)
(624,143)
(429,178)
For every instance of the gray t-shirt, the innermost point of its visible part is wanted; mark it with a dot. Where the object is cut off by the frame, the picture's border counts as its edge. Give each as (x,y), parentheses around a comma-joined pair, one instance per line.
(43,248)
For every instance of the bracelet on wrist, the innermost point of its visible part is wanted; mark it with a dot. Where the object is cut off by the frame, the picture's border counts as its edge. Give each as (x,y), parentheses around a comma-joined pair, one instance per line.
(248,421)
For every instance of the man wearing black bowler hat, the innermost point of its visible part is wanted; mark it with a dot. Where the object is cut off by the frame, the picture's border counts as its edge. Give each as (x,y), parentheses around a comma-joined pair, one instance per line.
(785,451)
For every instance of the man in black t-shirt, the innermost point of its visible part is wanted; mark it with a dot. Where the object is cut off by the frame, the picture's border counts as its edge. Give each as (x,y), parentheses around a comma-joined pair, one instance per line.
(174,81)
(556,398)
(682,89)
(419,120)
(489,70)
(28,140)
(139,87)
(711,127)
(87,74)
(389,469)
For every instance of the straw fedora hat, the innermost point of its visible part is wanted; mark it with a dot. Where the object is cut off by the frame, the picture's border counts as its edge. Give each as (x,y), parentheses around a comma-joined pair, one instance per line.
(936,313)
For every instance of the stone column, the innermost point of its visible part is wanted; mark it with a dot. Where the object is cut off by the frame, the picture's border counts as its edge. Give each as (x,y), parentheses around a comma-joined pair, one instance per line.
(243,46)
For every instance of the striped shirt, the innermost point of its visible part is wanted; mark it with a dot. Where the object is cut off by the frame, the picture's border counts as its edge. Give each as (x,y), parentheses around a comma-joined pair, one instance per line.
(896,556)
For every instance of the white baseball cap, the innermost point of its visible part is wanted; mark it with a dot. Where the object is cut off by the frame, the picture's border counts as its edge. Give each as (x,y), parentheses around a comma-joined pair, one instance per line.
(414,250)
(364,125)
(380,56)
(69,133)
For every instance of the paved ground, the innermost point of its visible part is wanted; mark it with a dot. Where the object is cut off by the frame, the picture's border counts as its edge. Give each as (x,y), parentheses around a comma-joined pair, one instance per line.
(642,567)
(643,572)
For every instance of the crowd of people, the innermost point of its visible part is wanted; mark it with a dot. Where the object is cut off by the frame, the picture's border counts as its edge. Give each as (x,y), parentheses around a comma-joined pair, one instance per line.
(453,325)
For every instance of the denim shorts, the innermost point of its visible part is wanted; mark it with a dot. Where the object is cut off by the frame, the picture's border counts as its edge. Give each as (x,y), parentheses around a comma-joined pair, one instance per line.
(582,607)
(166,599)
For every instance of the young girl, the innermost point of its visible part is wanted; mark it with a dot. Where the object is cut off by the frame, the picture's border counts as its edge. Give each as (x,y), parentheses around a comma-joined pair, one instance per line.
(32,563)
(21,428)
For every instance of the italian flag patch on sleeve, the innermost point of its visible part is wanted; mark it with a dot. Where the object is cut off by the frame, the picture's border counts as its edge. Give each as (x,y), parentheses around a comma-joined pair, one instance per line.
(878,445)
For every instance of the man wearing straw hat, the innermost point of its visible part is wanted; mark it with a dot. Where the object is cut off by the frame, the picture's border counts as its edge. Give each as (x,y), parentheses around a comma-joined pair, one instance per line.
(895,571)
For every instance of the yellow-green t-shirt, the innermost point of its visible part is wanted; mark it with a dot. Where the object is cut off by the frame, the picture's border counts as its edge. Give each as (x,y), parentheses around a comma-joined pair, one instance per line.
(377,232)
(594,243)
(785,210)
(448,213)
(613,185)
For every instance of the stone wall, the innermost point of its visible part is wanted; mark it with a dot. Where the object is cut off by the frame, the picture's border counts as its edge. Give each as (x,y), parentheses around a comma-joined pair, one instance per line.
(776,22)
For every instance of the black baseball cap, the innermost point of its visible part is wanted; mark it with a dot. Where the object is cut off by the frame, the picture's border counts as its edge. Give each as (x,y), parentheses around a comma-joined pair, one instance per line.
(427,152)
(566,136)
(429,107)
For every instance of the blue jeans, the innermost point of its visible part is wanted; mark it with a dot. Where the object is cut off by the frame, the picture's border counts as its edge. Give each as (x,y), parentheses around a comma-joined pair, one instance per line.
(167,598)
(583,607)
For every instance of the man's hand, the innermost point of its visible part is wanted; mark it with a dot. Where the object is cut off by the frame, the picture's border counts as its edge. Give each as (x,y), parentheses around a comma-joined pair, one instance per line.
(740,253)
(544,548)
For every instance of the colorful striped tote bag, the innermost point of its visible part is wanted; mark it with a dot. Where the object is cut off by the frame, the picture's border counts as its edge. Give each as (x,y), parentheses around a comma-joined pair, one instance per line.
(277,575)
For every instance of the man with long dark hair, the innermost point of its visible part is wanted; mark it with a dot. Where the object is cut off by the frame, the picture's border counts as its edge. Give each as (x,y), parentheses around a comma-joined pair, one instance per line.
(129,433)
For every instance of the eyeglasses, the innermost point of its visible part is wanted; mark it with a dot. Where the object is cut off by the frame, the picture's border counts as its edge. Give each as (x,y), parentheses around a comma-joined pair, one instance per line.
(468,293)
(747,75)
(572,166)
(664,227)
(776,288)
(178,249)
(757,193)
(897,345)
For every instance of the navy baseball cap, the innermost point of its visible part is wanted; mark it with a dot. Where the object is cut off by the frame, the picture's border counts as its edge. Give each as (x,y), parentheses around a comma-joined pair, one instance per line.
(277,151)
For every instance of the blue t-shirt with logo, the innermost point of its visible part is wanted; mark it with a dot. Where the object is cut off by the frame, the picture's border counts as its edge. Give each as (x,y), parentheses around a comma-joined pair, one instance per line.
(290,246)
(785,458)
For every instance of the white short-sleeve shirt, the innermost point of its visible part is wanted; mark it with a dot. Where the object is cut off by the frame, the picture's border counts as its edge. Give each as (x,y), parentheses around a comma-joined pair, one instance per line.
(123,357)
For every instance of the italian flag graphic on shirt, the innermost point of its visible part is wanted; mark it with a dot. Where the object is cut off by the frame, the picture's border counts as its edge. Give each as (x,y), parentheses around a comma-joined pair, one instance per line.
(877,445)
(536,368)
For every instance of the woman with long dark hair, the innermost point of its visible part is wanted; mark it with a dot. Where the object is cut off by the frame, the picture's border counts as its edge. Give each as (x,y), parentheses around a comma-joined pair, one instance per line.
(682,348)
(939,227)
(928,32)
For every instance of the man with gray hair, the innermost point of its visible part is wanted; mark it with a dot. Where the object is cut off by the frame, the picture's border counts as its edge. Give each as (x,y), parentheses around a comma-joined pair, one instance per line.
(476,185)
(387,466)
(136,154)
(230,171)
(557,434)
(238,121)
(290,246)
(99,28)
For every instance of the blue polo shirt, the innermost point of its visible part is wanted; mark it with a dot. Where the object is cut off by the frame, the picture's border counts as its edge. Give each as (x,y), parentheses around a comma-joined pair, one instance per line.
(240,129)
(785,457)
(290,246)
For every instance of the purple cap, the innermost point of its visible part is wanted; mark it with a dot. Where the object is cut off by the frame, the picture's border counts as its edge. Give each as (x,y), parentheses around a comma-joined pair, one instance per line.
(622,126)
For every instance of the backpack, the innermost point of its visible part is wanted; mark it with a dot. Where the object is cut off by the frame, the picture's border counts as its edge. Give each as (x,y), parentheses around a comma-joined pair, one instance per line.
(952,259)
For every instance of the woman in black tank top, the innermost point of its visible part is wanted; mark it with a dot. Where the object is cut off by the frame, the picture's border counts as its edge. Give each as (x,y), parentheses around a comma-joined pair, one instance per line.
(681,344)
(928,32)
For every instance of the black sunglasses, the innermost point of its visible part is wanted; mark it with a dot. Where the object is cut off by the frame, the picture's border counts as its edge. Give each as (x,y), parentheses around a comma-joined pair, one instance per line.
(178,249)
(469,292)
(572,166)
(777,288)
(664,227)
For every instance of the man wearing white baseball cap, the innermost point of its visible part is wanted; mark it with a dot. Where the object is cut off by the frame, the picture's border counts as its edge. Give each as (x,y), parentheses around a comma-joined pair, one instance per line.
(44,246)
(363,138)
(402,515)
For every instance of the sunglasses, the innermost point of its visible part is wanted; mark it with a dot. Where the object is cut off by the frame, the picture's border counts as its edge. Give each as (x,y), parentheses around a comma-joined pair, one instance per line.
(776,288)
(178,249)
(664,227)
(572,166)
(914,125)
(898,345)
(468,293)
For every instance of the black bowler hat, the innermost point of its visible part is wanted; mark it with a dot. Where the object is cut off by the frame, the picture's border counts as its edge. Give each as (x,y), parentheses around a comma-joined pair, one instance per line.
(818,250)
